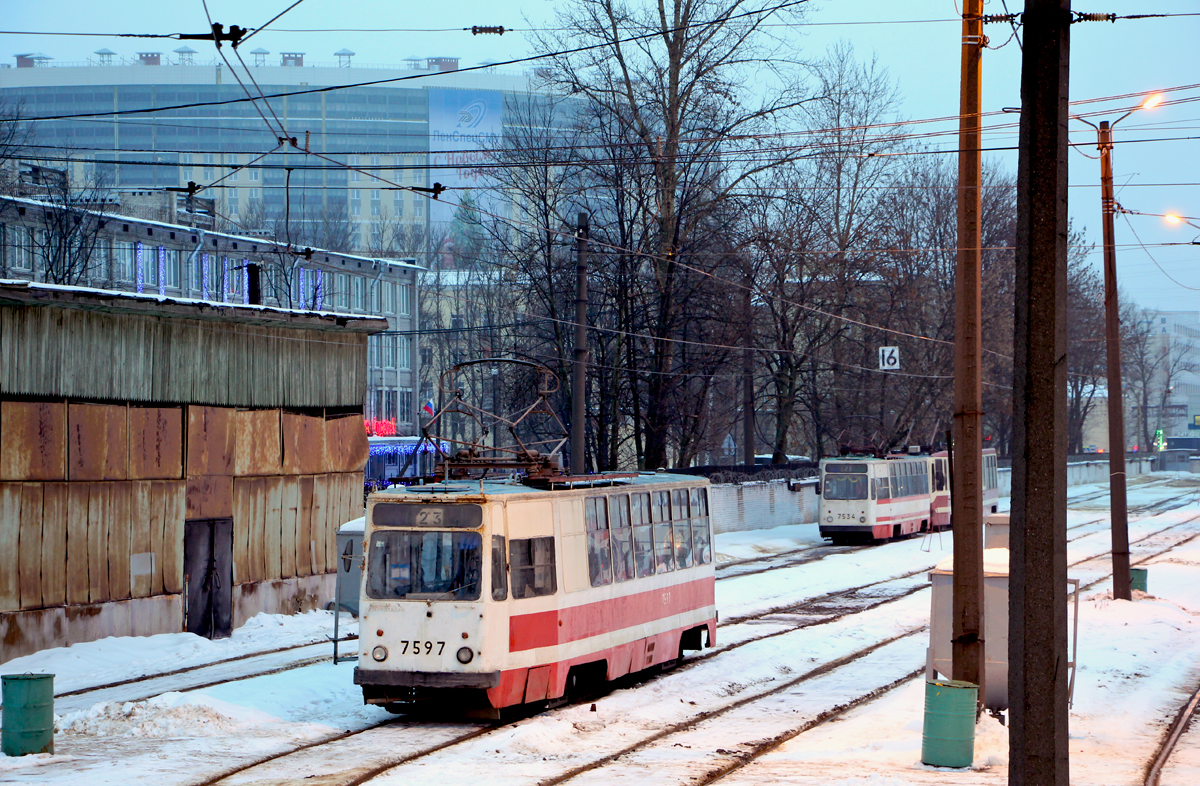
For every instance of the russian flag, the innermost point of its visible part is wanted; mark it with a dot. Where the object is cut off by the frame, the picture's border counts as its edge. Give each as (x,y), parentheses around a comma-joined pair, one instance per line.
(428,408)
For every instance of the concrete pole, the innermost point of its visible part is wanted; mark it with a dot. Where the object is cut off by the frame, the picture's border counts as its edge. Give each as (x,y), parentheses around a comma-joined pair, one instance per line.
(1116,400)
(579,372)
(1037,619)
(967,644)
(748,371)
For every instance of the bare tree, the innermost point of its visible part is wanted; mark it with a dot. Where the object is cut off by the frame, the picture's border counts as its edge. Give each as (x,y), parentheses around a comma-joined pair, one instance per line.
(67,226)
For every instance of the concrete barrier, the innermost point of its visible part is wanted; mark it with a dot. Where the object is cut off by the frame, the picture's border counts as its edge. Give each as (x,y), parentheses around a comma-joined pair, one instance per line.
(737,507)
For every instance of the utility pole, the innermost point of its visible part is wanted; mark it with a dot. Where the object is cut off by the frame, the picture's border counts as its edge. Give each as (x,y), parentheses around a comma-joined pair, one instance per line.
(966,493)
(1112,331)
(579,372)
(1037,619)
(748,370)
(1116,398)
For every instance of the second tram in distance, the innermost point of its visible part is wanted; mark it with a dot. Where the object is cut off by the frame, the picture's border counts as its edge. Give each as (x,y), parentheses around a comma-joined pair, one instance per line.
(868,499)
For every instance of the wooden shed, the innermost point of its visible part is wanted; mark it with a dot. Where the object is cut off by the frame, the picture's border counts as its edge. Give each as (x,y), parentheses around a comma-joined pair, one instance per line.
(170,465)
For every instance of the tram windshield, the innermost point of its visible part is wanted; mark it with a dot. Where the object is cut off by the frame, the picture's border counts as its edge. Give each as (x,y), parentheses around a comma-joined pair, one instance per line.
(424,565)
(845,486)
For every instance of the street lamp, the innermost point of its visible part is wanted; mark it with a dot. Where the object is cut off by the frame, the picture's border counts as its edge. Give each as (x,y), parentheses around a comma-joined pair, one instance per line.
(1112,329)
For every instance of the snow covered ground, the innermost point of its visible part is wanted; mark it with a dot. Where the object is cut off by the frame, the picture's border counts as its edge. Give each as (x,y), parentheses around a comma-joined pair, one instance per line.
(1138,663)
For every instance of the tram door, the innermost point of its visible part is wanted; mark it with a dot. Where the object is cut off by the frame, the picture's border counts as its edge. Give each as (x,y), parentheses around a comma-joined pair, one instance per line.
(208,577)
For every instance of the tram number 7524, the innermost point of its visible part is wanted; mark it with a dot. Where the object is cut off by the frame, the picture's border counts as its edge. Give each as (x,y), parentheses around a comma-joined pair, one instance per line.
(426,646)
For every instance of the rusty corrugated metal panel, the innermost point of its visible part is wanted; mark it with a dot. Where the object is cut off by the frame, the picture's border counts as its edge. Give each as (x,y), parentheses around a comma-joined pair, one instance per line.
(10,538)
(78,502)
(155,443)
(209,497)
(346,446)
(303,444)
(210,441)
(97,442)
(54,543)
(273,528)
(174,511)
(30,548)
(98,355)
(33,440)
(289,523)
(258,449)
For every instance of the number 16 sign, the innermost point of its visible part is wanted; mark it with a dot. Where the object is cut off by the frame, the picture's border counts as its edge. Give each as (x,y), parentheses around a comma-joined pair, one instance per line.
(889,358)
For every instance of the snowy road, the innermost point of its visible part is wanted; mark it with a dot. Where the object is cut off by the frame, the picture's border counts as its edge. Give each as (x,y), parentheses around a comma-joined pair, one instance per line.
(788,656)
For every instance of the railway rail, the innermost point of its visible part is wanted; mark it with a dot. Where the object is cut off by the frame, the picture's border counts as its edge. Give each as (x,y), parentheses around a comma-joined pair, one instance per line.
(363,747)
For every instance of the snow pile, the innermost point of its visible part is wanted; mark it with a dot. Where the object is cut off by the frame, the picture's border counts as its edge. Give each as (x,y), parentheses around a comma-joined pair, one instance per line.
(168,715)
(120,658)
(9,763)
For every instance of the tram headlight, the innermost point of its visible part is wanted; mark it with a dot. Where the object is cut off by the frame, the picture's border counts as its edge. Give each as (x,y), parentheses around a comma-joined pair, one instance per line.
(379,653)
(829,519)
(862,519)
(465,655)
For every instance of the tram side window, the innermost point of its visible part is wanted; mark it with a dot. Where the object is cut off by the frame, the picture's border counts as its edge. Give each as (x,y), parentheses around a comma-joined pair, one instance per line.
(595,513)
(664,552)
(701,537)
(683,528)
(643,539)
(621,535)
(499,569)
(531,563)
(883,488)
(939,475)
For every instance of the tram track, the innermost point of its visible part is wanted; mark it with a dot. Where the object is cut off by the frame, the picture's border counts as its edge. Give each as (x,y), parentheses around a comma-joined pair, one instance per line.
(1174,733)
(731,570)
(828,608)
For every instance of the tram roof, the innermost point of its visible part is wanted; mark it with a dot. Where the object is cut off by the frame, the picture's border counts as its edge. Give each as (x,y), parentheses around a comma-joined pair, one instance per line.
(498,487)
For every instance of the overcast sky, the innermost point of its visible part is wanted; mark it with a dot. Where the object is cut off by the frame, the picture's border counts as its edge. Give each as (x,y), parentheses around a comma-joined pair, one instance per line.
(1156,148)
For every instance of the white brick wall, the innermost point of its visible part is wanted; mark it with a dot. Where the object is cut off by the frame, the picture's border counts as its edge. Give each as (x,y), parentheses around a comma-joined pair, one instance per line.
(737,507)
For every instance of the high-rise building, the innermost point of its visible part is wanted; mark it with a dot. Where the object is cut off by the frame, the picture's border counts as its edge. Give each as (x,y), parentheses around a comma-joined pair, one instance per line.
(414,124)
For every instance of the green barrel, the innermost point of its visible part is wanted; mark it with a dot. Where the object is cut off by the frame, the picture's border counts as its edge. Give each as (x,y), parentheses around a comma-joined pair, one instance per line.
(28,714)
(1138,578)
(949,736)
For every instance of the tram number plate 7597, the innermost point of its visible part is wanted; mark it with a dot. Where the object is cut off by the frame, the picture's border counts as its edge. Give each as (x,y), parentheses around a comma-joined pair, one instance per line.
(423,647)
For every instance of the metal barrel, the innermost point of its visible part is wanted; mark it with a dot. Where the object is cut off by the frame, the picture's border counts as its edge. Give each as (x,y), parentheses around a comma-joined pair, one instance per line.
(949,735)
(28,714)
(1139,578)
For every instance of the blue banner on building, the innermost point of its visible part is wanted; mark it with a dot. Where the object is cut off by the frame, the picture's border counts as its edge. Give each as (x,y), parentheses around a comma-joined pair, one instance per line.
(463,126)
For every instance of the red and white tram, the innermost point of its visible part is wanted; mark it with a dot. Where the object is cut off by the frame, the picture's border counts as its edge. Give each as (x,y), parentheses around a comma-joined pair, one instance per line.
(481,595)
(877,499)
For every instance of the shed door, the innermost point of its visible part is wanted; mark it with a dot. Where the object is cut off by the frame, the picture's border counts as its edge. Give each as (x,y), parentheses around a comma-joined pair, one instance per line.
(208,577)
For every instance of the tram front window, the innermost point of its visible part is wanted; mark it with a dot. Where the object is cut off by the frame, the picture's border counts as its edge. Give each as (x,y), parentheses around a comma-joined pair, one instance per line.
(845,487)
(425,565)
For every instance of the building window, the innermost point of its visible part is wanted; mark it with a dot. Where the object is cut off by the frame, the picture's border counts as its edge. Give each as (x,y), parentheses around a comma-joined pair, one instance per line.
(374,202)
(355,175)
(404,359)
(387,346)
(209,160)
(358,294)
(255,175)
(124,258)
(233,159)
(355,202)
(426,356)
(233,202)
(341,291)
(398,204)
(170,265)
(20,256)
(185,167)
(405,303)
(405,412)
(234,279)
(418,208)
(388,304)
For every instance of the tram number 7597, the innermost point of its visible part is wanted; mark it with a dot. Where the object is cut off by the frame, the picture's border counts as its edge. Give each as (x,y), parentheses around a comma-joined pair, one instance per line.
(427,646)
